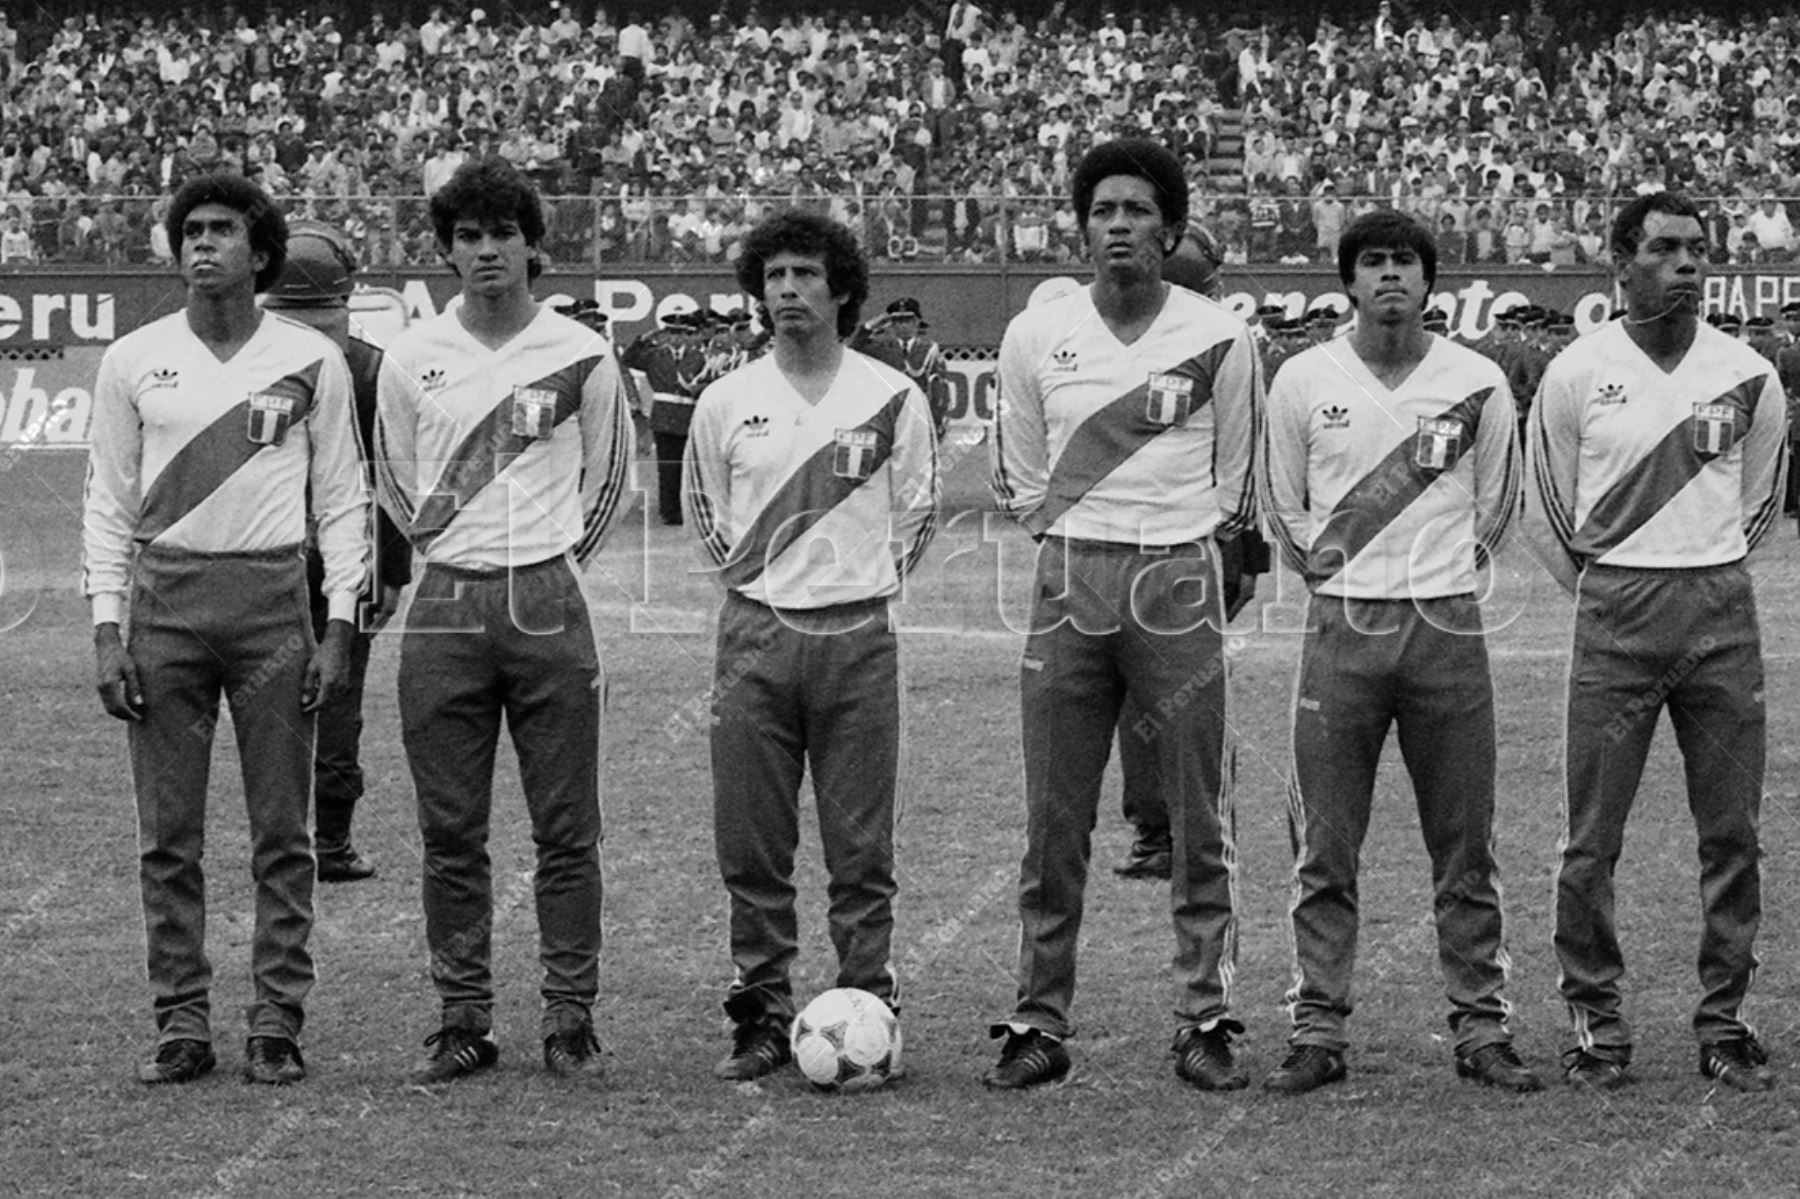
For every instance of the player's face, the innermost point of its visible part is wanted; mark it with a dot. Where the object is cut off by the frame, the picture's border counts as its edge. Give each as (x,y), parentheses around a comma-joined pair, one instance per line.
(797,295)
(1126,234)
(492,259)
(215,250)
(1387,285)
(1666,274)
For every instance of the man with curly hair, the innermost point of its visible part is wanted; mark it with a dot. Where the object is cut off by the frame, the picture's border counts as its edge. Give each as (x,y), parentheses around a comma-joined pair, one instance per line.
(811,481)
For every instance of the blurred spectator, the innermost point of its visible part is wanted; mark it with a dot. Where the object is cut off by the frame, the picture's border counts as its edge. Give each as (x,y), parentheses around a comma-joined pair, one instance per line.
(1773,231)
(15,243)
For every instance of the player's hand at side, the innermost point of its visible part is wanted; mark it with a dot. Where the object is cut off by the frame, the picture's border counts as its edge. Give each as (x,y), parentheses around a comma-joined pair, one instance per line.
(116,675)
(329,670)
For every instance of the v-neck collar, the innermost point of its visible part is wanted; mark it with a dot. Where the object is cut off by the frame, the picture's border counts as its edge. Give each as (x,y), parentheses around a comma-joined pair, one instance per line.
(1368,373)
(262,323)
(1661,371)
(1133,344)
(506,347)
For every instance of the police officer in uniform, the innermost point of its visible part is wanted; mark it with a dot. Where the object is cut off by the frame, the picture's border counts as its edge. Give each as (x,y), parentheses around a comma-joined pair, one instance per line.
(751,340)
(692,369)
(1787,369)
(314,289)
(897,338)
(1525,366)
(1280,344)
(1322,325)
(724,351)
(1498,345)
(658,353)
(1760,332)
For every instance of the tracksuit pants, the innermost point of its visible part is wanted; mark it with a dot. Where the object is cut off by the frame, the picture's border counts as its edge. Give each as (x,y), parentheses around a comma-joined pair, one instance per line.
(1112,620)
(1140,786)
(1644,640)
(1365,666)
(203,625)
(479,646)
(795,690)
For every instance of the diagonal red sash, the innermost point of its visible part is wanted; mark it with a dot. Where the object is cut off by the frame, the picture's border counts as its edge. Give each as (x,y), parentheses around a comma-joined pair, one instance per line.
(1107,439)
(489,448)
(1379,497)
(215,454)
(1655,479)
(805,497)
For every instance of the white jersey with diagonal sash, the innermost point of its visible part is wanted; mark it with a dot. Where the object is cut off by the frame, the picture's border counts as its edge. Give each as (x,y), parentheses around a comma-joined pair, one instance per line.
(1150,443)
(194,454)
(809,505)
(1374,492)
(1635,466)
(502,458)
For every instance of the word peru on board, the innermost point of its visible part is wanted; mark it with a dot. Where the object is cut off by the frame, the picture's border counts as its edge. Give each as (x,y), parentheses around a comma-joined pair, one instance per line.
(54,327)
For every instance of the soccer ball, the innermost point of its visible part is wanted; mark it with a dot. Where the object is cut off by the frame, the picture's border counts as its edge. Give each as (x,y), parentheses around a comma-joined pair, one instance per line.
(847,1040)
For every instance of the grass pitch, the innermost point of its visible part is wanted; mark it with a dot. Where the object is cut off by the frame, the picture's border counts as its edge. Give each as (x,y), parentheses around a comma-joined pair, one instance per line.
(76,1015)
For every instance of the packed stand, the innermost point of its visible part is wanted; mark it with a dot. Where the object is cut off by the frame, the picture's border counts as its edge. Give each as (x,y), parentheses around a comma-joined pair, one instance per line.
(941,136)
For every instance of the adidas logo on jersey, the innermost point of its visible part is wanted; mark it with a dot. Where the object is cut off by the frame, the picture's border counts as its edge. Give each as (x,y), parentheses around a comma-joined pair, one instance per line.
(756,426)
(1063,362)
(1337,417)
(433,379)
(1611,393)
(168,376)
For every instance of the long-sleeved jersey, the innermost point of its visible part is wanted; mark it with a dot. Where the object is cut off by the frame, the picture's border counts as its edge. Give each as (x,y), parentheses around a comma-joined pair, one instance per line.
(1151,443)
(1634,466)
(192,453)
(1379,493)
(501,458)
(808,505)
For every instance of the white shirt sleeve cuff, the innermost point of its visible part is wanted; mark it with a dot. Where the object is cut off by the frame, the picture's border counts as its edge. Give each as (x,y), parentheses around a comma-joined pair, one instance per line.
(109,608)
(341,607)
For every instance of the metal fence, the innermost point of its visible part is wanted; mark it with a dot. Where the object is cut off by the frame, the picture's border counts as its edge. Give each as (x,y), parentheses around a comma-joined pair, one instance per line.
(605,231)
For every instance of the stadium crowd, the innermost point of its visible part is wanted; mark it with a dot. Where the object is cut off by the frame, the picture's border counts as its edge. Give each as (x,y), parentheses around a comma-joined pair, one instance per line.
(939,135)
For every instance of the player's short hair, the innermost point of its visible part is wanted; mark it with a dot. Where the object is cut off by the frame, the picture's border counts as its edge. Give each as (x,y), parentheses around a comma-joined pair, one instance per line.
(267,228)
(490,191)
(1628,226)
(1147,160)
(793,232)
(1385,230)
